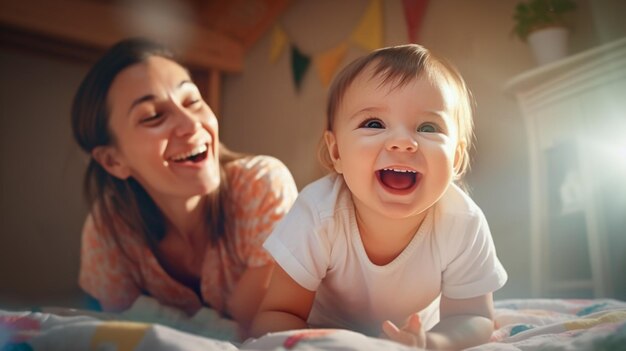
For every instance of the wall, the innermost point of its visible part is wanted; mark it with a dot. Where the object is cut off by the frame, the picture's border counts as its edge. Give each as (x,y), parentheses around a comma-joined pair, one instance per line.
(41,205)
(474,35)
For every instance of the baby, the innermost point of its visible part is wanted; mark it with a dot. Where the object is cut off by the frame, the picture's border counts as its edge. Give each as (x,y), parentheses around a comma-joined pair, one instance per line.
(388,244)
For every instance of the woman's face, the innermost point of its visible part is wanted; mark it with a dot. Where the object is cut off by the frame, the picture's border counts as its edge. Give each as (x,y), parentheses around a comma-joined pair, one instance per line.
(164,134)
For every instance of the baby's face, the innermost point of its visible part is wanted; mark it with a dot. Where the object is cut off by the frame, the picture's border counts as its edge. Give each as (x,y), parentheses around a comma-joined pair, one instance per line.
(395,146)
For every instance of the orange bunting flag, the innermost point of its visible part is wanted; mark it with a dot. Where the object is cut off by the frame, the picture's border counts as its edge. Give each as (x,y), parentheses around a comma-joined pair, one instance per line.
(369,32)
(327,62)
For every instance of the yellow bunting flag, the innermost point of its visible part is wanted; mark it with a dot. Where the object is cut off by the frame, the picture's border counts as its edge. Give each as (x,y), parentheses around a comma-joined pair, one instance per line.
(369,32)
(279,39)
(327,62)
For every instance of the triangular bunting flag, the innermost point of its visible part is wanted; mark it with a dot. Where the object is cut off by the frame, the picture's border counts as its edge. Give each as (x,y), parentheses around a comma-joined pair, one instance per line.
(328,62)
(413,13)
(369,32)
(299,64)
(279,39)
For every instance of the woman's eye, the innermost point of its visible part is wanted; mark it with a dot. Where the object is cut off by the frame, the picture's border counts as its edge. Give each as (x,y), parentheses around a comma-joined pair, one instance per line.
(428,128)
(151,119)
(193,101)
(372,123)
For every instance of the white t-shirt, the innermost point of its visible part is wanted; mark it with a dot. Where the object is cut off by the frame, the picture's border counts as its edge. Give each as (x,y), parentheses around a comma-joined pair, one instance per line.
(318,244)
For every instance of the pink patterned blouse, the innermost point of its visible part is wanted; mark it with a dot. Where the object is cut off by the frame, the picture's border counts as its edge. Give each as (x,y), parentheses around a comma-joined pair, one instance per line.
(263,191)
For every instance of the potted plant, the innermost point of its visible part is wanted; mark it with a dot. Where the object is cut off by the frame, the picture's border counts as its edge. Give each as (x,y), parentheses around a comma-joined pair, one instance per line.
(543,24)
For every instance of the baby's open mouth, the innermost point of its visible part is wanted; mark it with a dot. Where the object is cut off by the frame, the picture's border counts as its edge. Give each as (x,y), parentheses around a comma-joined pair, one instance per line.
(398,179)
(198,154)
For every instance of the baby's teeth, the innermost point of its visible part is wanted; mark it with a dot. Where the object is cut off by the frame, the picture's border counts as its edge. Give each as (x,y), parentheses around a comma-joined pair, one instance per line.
(400,170)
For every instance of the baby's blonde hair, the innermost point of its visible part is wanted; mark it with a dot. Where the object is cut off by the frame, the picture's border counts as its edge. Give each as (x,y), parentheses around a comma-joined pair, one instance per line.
(398,65)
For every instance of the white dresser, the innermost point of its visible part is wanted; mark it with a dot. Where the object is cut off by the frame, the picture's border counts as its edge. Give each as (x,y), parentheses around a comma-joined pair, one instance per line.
(575,117)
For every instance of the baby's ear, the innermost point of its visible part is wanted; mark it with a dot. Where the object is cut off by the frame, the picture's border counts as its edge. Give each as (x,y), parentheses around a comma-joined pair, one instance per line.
(333,150)
(109,158)
(459,156)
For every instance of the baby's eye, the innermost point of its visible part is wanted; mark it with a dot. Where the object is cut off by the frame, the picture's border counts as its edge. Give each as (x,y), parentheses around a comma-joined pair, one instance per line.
(428,128)
(372,123)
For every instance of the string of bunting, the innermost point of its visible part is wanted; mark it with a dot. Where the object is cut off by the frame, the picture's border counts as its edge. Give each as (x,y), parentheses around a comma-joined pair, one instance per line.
(368,35)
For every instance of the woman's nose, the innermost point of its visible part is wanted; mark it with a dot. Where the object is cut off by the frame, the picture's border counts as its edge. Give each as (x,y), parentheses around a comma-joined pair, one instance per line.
(186,122)
(401,140)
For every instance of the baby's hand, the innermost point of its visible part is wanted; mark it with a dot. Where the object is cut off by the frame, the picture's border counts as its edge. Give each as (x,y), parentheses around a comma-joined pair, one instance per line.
(411,334)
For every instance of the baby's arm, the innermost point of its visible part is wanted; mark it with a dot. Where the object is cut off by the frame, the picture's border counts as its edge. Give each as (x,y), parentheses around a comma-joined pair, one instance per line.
(285,306)
(464,323)
(248,293)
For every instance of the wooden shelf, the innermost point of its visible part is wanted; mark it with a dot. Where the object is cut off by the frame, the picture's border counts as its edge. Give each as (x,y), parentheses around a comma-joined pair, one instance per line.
(84,29)
(99,25)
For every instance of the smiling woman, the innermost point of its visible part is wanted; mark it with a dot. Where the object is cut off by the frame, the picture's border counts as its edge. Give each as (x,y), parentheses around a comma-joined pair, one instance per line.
(172,214)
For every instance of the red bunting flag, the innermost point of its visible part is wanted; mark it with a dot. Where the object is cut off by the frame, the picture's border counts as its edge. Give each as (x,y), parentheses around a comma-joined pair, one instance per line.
(414,13)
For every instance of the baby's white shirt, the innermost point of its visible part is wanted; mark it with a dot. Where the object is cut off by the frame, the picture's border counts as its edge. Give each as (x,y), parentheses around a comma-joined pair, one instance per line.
(318,244)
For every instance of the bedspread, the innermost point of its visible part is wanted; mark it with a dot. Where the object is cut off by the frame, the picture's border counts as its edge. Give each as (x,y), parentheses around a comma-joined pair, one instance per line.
(556,324)
(525,324)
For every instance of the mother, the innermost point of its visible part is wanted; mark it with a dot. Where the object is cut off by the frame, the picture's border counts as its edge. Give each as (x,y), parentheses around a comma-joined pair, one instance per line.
(176,215)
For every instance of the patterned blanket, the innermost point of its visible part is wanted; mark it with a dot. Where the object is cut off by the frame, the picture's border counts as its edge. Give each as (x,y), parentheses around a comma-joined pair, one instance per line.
(526,324)
(555,324)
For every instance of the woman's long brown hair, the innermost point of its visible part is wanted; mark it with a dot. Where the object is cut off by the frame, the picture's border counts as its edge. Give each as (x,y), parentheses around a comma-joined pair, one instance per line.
(119,205)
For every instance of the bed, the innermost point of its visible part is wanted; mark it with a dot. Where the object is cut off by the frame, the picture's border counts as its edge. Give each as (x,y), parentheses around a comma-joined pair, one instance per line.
(528,324)
(522,324)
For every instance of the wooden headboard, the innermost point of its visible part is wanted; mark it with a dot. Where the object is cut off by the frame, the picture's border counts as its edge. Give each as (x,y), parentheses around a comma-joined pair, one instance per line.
(84,29)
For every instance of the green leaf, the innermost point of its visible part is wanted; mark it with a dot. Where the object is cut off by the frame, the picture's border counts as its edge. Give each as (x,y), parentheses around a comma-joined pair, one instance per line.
(533,14)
